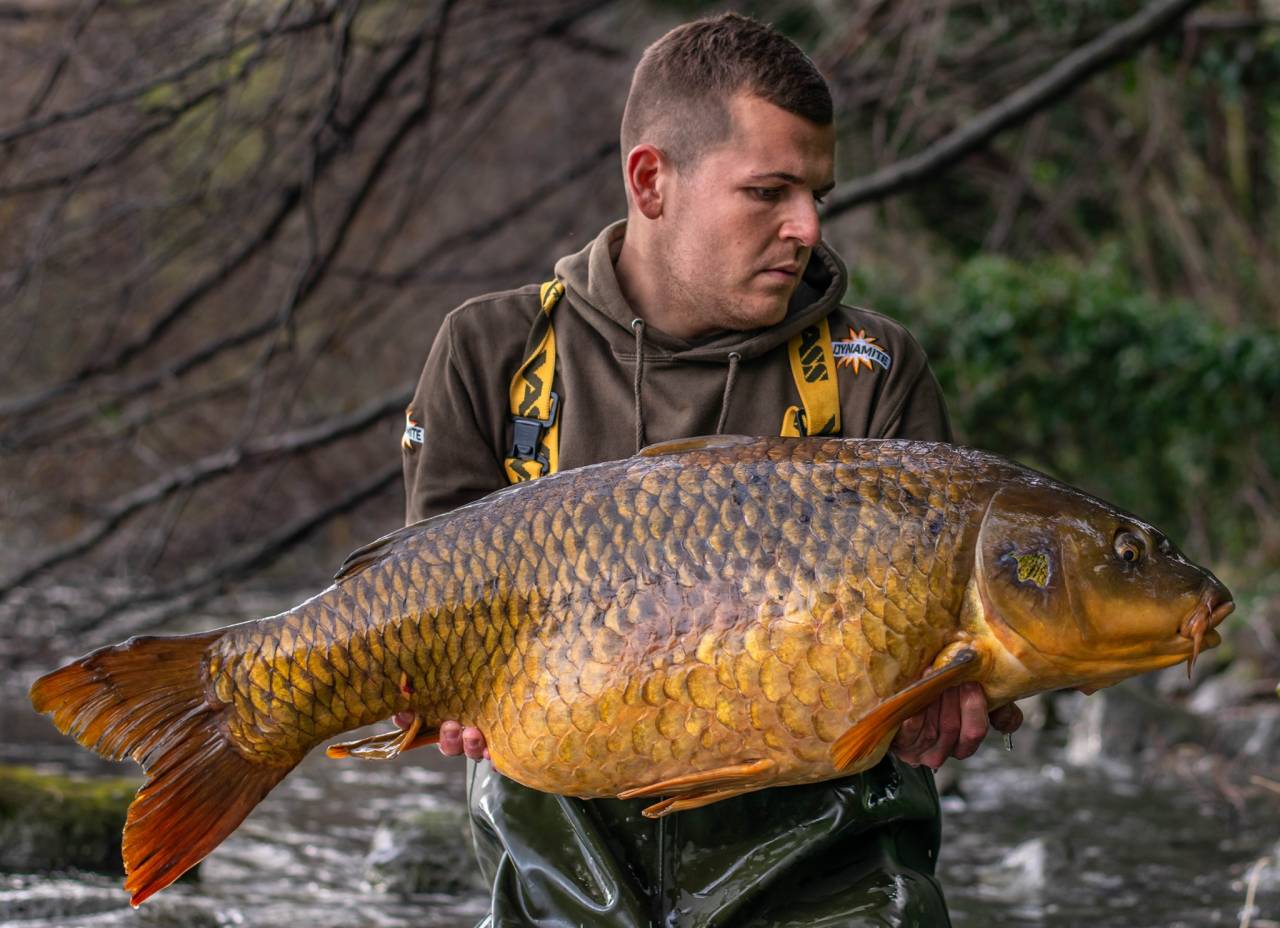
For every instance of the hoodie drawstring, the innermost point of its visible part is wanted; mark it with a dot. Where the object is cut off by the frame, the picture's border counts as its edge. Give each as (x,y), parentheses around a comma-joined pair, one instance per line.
(637,325)
(734,358)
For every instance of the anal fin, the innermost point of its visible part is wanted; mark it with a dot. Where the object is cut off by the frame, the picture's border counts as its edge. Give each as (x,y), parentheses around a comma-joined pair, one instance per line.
(691,801)
(706,786)
(862,739)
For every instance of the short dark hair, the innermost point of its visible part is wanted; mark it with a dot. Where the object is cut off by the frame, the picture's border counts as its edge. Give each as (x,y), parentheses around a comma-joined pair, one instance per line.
(680,92)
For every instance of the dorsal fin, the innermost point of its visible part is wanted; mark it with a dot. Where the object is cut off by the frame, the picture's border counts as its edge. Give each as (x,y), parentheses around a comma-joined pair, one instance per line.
(677,445)
(365,555)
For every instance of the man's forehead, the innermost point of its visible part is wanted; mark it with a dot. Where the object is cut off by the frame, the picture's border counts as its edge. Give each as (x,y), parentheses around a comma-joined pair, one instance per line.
(768,140)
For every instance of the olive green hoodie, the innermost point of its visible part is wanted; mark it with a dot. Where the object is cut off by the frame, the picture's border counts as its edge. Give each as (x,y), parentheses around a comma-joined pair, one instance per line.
(818,853)
(739,381)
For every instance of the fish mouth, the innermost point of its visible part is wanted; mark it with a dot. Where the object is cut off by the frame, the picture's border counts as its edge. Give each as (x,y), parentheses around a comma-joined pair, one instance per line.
(1198,627)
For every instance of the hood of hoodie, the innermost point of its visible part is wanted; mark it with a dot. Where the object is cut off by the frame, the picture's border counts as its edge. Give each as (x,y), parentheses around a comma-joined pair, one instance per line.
(591,284)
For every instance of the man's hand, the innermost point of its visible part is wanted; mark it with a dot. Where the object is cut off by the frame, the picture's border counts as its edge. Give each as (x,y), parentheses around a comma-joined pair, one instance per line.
(953,726)
(454,739)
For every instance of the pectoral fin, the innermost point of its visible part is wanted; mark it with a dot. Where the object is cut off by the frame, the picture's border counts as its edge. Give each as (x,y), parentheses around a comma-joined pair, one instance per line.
(863,738)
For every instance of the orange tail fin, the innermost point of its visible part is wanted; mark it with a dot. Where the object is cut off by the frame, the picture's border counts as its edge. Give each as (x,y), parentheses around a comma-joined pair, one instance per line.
(146,699)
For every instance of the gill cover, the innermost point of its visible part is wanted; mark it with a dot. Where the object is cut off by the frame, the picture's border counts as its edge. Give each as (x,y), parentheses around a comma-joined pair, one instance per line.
(1021,559)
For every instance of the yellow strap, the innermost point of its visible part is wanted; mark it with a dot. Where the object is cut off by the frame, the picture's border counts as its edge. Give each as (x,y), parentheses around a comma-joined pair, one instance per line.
(531,398)
(814,370)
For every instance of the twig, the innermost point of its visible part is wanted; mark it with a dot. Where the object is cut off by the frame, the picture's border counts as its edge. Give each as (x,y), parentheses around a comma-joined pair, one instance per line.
(1255,874)
(1257,780)
(82,17)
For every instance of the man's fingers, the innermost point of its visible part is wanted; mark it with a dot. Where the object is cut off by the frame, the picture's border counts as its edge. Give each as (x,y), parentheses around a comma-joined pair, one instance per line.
(954,725)
(403,719)
(455,740)
(473,744)
(972,704)
(450,738)
(948,730)
(1007,719)
(915,735)
(907,734)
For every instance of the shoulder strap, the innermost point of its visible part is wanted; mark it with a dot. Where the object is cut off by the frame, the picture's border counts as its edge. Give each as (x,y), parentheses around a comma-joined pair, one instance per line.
(814,371)
(534,405)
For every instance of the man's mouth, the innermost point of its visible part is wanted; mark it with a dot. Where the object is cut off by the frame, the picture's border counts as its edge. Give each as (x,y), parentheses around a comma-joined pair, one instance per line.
(786,272)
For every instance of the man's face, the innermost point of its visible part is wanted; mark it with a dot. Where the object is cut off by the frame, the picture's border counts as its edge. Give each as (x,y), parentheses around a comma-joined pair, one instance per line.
(741,223)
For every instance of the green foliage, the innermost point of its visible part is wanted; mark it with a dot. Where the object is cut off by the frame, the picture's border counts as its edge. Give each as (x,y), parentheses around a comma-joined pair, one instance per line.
(1147,403)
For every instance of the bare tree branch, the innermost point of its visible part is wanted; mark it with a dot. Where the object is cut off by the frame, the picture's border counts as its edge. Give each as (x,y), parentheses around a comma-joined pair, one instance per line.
(174,75)
(225,271)
(1112,46)
(207,581)
(204,470)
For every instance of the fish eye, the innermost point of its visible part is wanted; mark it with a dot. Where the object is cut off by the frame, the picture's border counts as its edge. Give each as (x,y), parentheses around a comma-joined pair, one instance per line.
(1129,547)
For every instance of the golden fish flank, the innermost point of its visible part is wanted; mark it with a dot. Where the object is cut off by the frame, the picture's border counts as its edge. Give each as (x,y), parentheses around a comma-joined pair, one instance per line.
(711,617)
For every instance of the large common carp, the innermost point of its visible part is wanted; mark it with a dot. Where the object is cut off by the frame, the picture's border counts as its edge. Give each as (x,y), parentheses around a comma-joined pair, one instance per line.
(710,617)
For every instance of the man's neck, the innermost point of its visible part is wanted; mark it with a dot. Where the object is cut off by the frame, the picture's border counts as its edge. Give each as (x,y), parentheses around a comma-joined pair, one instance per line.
(644,290)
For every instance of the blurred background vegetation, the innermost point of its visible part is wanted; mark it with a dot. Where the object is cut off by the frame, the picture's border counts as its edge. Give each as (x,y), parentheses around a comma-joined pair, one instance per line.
(229,230)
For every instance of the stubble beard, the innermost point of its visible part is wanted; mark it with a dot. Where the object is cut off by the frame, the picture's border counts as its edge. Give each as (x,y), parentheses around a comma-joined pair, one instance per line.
(729,310)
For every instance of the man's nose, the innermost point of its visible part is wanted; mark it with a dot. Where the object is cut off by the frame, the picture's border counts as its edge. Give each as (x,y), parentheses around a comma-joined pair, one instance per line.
(802,223)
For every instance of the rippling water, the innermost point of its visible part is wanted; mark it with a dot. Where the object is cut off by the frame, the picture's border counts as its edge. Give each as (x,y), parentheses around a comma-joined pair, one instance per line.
(1029,841)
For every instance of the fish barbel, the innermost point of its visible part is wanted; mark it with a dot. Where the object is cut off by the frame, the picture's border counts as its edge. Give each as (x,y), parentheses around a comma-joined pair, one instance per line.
(710,617)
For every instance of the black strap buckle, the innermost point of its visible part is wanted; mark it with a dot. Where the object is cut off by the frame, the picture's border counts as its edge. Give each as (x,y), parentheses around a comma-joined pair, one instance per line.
(527,432)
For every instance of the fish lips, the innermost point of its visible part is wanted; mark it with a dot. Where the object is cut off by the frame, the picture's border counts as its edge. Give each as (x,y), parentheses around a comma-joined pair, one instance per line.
(1198,627)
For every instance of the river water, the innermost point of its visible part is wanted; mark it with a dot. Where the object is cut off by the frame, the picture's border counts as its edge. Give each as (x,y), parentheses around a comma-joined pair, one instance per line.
(1029,840)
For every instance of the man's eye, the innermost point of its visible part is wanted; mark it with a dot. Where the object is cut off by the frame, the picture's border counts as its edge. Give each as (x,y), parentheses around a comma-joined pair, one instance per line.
(819,198)
(766,193)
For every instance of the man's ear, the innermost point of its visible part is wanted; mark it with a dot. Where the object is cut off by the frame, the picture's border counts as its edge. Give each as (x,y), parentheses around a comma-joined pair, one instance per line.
(646,172)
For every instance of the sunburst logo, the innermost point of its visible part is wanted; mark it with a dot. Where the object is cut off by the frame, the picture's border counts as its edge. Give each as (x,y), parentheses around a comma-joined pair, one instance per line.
(412,431)
(860,350)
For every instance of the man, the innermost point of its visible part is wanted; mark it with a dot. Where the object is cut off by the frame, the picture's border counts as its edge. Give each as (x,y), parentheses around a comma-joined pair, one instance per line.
(714,308)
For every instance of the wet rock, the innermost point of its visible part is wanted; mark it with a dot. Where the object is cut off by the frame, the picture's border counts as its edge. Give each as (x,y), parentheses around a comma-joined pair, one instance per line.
(52,822)
(427,852)
(1024,870)
(1230,688)
(1123,724)
(1250,733)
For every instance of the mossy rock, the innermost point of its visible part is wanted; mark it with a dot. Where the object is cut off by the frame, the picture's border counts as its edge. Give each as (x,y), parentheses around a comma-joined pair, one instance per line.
(53,822)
